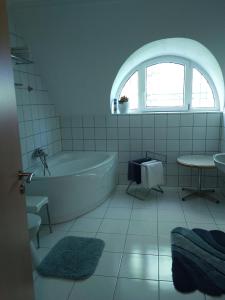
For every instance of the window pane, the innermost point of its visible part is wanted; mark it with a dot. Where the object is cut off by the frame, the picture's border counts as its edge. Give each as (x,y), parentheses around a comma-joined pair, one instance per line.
(165,85)
(130,90)
(202,95)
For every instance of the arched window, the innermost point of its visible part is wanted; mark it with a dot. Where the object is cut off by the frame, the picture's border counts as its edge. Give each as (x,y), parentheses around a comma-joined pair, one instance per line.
(168,82)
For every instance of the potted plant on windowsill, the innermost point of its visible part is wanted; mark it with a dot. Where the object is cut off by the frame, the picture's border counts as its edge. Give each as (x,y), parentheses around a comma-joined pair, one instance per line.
(123,104)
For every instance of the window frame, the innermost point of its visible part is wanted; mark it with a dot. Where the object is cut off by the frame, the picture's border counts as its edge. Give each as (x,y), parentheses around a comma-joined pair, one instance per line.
(189,65)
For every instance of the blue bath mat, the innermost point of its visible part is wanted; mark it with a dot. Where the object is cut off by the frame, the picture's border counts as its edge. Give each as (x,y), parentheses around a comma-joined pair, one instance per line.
(72,258)
(198,260)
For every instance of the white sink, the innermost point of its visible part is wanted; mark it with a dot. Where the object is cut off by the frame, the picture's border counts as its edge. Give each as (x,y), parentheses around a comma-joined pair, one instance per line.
(219,160)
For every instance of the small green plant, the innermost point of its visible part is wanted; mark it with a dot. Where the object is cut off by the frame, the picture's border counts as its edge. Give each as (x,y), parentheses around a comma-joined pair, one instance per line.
(123,99)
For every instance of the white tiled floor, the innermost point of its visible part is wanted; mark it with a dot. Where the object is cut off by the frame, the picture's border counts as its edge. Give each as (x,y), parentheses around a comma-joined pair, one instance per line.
(136,262)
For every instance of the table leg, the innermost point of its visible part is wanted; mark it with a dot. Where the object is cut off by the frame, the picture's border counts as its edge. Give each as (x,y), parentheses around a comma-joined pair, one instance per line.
(199,191)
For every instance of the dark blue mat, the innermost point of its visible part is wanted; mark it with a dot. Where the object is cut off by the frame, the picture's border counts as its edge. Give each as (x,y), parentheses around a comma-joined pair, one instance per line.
(72,258)
(198,260)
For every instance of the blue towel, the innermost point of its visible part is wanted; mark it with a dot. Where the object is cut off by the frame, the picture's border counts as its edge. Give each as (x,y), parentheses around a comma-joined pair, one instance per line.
(134,171)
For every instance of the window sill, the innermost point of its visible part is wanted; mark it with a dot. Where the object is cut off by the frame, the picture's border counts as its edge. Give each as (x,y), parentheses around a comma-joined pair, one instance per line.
(166,112)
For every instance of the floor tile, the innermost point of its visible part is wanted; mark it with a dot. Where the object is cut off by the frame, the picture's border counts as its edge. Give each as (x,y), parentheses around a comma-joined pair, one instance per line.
(59,227)
(114,226)
(86,225)
(165,268)
(142,228)
(121,200)
(113,242)
(164,245)
(206,226)
(97,213)
(139,266)
(108,264)
(52,289)
(42,252)
(144,215)
(170,216)
(118,213)
(199,218)
(82,234)
(141,244)
(94,288)
(164,228)
(168,292)
(133,289)
(48,240)
(145,204)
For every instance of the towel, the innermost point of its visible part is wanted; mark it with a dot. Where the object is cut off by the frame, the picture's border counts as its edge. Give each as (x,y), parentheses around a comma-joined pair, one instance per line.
(134,170)
(152,173)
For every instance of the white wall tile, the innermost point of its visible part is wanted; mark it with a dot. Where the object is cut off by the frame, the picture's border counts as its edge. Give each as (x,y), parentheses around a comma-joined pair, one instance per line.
(100,133)
(200,119)
(124,133)
(173,133)
(161,120)
(77,133)
(148,120)
(148,133)
(199,145)
(186,119)
(78,145)
(77,121)
(124,145)
(112,145)
(67,145)
(112,133)
(213,133)
(136,145)
(214,119)
(174,120)
(160,133)
(89,133)
(88,121)
(136,121)
(100,145)
(199,133)
(135,133)
(173,145)
(123,121)
(111,121)
(186,133)
(100,121)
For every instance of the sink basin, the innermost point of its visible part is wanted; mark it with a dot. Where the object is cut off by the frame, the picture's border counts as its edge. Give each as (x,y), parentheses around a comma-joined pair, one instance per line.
(219,160)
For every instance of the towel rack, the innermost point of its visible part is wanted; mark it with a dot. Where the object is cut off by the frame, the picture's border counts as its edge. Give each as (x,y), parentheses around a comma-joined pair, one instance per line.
(149,155)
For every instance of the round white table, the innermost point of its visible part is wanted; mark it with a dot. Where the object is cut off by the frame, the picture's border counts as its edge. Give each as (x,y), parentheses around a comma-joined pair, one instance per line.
(200,162)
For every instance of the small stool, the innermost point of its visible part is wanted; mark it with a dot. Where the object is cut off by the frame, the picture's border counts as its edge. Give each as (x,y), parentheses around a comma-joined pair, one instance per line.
(34,204)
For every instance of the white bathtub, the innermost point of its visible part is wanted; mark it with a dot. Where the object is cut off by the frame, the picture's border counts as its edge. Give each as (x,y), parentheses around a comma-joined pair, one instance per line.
(79,182)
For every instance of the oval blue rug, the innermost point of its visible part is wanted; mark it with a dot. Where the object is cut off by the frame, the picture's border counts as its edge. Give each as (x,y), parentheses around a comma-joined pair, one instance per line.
(72,258)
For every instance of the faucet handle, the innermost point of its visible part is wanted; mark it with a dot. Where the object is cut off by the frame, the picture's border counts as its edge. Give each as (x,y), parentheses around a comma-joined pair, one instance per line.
(28,175)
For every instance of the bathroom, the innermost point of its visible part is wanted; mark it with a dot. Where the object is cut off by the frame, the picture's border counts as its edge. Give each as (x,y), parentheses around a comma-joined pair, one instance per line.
(78,48)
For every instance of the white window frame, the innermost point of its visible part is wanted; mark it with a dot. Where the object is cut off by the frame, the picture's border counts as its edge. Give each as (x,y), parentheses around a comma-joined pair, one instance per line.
(188,67)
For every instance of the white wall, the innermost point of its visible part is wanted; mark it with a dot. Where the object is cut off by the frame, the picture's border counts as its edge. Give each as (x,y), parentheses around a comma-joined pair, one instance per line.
(80,47)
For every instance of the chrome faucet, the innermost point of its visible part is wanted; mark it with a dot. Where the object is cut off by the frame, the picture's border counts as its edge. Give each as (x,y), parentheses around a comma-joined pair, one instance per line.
(40,153)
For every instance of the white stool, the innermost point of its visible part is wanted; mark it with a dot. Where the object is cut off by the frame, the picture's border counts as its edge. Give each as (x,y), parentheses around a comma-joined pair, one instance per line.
(34,204)
(34,222)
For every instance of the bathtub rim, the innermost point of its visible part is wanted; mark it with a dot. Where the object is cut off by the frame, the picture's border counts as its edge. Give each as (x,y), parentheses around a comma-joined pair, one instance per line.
(111,155)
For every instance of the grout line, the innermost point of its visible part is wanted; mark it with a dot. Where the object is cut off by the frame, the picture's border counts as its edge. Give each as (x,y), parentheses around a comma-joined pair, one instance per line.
(123,249)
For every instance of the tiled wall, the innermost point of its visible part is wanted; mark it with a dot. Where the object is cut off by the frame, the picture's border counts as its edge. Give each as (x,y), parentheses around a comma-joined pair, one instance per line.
(172,134)
(38,122)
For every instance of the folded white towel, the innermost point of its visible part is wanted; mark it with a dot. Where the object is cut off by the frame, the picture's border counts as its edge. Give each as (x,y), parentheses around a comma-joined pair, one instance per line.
(152,173)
